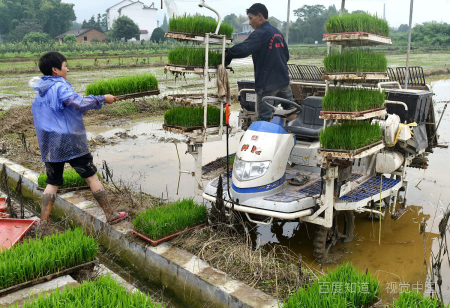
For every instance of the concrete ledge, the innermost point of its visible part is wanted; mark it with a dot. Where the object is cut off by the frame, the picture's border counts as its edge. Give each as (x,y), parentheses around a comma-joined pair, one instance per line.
(188,277)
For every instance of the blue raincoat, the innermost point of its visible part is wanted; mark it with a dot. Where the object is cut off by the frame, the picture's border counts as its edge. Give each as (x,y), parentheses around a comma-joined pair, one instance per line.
(58,119)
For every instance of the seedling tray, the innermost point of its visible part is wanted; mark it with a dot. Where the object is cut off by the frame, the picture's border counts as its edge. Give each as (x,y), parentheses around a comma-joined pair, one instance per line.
(191,69)
(137,95)
(182,130)
(3,206)
(68,189)
(13,230)
(358,153)
(200,38)
(194,98)
(354,39)
(356,115)
(75,269)
(356,76)
(155,243)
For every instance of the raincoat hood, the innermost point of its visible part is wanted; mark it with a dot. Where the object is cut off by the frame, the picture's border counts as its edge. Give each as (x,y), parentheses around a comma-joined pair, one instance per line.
(43,84)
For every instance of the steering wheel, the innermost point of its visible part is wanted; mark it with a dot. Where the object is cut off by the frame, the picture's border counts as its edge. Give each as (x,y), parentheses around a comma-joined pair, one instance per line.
(297,107)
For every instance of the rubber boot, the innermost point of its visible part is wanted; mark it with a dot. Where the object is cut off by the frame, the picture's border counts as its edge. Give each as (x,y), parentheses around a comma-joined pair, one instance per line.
(102,200)
(46,207)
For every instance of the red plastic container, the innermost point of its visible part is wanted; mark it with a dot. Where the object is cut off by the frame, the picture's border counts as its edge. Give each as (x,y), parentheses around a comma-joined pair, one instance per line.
(3,206)
(155,243)
(12,230)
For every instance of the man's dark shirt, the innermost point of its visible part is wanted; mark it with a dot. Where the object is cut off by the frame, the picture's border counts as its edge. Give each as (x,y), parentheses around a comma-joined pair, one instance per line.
(270,56)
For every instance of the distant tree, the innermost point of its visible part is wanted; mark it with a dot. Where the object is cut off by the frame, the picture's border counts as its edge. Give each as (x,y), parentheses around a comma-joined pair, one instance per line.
(124,28)
(358,12)
(158,35)
(37,37)
(403,28)
(84,25)
(75,26)
(165,24)
(309,11)
(104,22)
(274,22)
(70,39)
(23,29)
(231,19)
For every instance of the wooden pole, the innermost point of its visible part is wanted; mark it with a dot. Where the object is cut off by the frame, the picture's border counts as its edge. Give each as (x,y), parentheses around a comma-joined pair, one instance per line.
(287,23)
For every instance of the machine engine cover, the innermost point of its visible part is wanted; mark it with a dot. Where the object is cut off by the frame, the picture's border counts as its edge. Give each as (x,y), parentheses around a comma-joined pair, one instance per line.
(388,162)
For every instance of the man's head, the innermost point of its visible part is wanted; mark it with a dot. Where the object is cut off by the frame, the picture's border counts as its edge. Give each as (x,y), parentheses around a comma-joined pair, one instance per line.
(53,64)
(257,15)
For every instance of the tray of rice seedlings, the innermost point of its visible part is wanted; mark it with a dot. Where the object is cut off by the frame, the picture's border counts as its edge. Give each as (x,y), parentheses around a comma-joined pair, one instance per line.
(353,104)
(186,119)
(194,98)
(44,258)
(159,224)
(414,299)
(355,65)
(351,139)
(185,59)
(341,288)
(125,87)
(71,181)
(102,292)
(197,25)
(358,29)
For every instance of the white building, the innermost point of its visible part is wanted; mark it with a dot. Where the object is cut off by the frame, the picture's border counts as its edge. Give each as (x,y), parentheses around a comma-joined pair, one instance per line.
(144,16)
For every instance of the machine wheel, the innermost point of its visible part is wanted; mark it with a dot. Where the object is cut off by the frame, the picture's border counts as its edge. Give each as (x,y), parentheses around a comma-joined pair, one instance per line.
(342,230)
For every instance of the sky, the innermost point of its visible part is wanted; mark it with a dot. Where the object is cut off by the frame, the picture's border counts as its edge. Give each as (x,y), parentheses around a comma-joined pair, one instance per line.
(397,11)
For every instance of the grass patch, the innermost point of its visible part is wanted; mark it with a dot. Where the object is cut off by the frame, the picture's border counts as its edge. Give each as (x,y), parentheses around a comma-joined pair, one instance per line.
(123,85)
(350,135)
(192,116)
(37,258)
(417,300)
(194,57)
(157,223)
(198,25)
(355,60)
(357,22)
(356,99)
(102,292)
(70,179)
(335,290)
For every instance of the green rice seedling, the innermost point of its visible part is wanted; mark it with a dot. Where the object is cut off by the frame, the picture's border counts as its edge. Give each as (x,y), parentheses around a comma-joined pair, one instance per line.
(71,179)
(417,300)
(353,99)
(194,57)
(159,222)
(343,287)
(355,60)
(198,25)
(123,85)
(350,135)
(192,116)
(357,22)
(44,256)
(102,292)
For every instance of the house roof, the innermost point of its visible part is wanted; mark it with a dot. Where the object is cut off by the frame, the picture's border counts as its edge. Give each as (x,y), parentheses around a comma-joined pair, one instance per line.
(143,31)
(246,22)
(138,2)
(75,32)
(117,4)
(275,18)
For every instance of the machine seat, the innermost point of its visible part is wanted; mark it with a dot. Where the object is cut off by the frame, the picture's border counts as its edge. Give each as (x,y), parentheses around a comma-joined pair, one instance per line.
(308,124)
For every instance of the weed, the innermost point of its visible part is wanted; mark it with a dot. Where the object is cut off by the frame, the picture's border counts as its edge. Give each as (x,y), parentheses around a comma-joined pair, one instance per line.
(198,25)
(157,223)
(123,85)
(324,293)
(102,292)
(194,57)
(350,135)
(415,299)
(357,22)
(192,116)
(70,179)
(355,99)
(355,60)
(37,258)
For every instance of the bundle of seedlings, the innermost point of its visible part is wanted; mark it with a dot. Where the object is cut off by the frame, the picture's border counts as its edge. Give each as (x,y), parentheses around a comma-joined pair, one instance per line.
(355,60)
(417,300)
(44,256)
(70,179)
(123,85)
(274,269)
(341,288)
(192,116)
(159,222)
(102,292)
(357,22)
(350,135)
(353,99)
(194,57)
(198,25)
